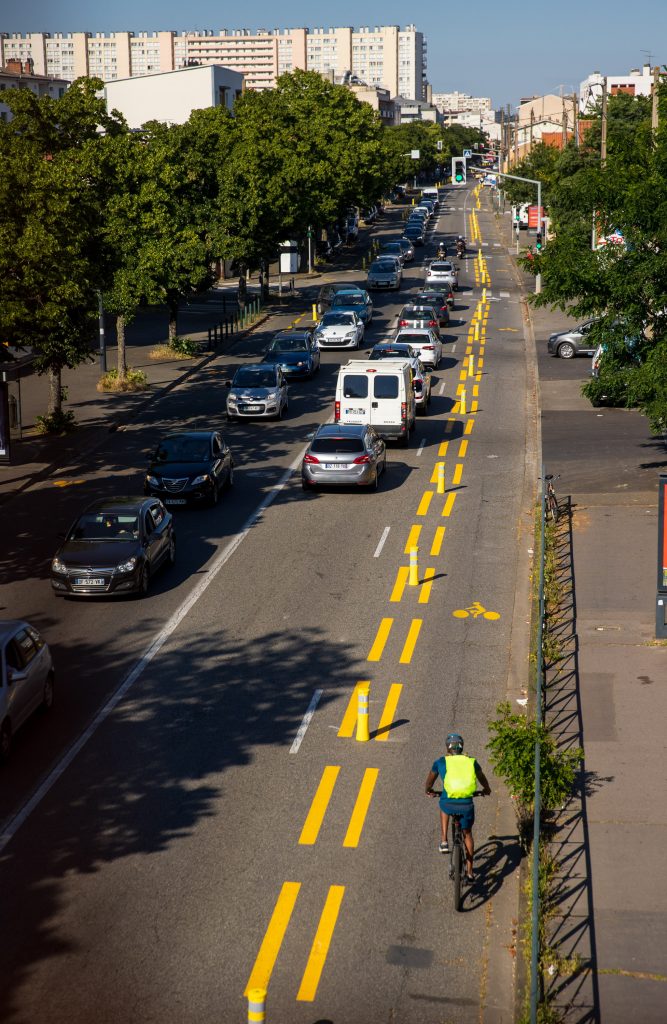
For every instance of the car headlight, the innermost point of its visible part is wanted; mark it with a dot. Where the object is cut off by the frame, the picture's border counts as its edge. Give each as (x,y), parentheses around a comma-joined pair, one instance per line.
(233,397)
(350,335)
(58,566)
(272,396)
(202,479)
(152,480)
(127,566)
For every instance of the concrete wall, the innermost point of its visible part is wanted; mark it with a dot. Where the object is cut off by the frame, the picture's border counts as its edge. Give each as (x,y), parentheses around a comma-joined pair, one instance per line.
(171,97)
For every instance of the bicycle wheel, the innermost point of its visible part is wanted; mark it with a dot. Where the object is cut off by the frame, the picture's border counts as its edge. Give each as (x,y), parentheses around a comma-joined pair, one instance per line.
(457,864)
(553,506)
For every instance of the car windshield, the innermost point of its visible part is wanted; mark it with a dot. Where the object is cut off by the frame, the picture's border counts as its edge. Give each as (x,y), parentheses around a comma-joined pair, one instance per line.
(400,351)
(348,299)
(254,378)
(183,449)
(441,267)
(416,339)
(383,266)
(105,526)
(338,320)
(336,445)
(287,345)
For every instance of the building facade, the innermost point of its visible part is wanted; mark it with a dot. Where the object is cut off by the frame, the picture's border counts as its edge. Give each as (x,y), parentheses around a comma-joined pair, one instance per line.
(17,74)
(388,56)
(636,83)
(460,102)
(171,96)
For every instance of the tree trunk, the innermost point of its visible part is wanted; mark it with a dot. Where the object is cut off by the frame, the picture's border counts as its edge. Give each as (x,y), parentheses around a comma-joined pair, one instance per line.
(120,341)
(172,302)
(55,392)
(265,285)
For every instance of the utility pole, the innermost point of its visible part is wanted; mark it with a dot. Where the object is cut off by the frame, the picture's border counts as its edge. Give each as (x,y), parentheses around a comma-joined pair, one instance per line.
(575,118)
(654,97)
(501,155)
(508,129)
(564,128)
(532,122)
(603,142)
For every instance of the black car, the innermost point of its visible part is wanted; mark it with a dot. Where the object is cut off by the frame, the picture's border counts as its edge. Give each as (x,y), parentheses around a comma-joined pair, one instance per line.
(114,547)
(191,467)
(295,352)
(438,300)
(414,234)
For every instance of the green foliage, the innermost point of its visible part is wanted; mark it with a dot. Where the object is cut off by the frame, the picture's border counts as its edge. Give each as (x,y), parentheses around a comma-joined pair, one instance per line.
(130,380)
(59,422)
(184,346)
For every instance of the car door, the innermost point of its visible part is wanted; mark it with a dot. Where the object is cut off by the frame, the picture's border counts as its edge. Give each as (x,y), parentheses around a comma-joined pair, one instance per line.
(154,541)
(582,339)
(282,384)
(24,683)
(218,468)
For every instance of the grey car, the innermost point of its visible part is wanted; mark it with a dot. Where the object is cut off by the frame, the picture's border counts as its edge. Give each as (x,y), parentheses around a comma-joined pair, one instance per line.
(574,342)
(384,272)
(344,455)
(258,390)
(26,678)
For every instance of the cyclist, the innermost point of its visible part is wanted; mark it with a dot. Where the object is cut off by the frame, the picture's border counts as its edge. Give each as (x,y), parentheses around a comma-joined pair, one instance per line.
(460,775)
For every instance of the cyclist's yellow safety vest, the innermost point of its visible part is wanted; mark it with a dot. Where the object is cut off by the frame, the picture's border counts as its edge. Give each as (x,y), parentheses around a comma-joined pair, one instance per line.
(460,779)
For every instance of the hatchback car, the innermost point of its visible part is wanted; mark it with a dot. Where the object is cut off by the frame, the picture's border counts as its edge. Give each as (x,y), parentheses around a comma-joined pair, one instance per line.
(344,455)
(393,249)
(408,249)
(413,315)
(425,343)
(354,300)
(414,234)
(191,467)
(26,678)
(443,273)
(574,342)
(115,547)
(339,329)
(326,294)
(295,352)
(436,299)
(384,273)
(258,390)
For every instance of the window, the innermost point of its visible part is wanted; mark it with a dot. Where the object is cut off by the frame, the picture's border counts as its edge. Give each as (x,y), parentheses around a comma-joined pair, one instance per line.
(355,385)
(386,385)
(21,650)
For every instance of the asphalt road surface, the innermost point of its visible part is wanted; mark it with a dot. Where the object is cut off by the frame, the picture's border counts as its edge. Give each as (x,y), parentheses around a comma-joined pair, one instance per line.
(206,837)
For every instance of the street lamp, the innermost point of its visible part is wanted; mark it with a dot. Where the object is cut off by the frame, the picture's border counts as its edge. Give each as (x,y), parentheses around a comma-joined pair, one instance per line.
(540,219)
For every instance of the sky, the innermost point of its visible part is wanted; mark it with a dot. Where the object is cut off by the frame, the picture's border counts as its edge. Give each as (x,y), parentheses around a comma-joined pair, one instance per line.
(505,49)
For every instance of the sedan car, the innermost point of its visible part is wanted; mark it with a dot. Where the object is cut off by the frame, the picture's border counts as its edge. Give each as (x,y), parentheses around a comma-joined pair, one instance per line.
(574,342)
(413,315)
(295,352)
(438,300)
(114,547)
(258,389)
(26,678)
(190,467)
(339,329)
(424,342)
(344,455)
(354,300)
(442,273)
(384,273)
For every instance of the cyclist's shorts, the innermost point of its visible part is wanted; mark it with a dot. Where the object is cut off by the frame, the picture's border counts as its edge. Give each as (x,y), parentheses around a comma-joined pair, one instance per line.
(465,808)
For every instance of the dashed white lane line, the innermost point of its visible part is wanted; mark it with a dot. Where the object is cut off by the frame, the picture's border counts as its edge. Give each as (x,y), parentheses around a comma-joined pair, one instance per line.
(385,534)
(307,718)
(504,295)
(421,446)
(441,389)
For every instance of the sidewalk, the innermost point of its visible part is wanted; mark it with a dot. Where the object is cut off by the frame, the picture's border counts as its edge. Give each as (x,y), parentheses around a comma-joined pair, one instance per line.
(610,926)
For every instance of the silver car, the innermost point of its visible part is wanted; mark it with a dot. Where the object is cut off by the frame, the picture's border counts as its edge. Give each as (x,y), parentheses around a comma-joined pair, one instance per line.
(413,315)
(384,273)
(343,329)
(344,455)
(442,272)
(424,341)
(26,678)
(258,390)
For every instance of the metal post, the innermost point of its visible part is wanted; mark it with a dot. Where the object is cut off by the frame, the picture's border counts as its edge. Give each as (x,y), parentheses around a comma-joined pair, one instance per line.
(103,343)
(310,249)
(538,278)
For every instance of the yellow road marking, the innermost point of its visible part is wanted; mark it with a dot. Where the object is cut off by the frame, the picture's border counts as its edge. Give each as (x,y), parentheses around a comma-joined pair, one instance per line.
(458,473)
(462,375)
(463,447)
(468,427)
(409,646)
(449,505)
(388,711)
(459,390)
(413,539)
(442,450)
(380,640)
(349,722)
(457,407)
(474,407)
(315,817)
(321,942)
(480,362)
(437,541)
(425,591)
(514,330)
(434,474)
(399,585)
(475,391)
(424,503)
(360,809)
(273,937)
(67,483)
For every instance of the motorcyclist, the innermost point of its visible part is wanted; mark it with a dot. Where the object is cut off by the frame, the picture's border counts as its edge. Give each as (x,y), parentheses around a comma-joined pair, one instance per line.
(460,246)
(442,250)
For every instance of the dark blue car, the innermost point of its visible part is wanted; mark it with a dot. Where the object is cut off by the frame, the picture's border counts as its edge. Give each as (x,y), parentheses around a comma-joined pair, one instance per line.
(295,352)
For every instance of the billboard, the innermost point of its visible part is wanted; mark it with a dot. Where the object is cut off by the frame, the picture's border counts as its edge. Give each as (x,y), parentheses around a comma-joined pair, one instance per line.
(535,217)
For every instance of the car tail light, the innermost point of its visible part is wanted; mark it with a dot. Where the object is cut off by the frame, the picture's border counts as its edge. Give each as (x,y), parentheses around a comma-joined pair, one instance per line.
(402,323)
(404,411)
(361,460)
(433,323)
(337,412)
(428,348)
(311,459)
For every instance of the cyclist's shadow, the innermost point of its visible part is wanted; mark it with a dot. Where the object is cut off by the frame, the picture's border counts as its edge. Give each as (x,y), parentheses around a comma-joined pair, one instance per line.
(495,860)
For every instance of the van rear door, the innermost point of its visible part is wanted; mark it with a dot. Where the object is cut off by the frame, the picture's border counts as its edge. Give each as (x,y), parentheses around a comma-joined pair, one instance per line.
(386,401)
(355,401)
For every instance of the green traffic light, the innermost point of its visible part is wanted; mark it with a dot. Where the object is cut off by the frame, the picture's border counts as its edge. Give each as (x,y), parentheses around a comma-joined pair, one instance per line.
(459,177)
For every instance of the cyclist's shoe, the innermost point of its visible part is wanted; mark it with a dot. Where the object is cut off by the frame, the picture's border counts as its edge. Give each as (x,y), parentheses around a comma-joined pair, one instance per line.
(469,878)
(444,847)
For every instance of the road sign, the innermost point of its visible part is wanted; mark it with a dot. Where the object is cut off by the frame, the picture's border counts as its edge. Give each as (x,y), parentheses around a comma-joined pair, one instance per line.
(467,153)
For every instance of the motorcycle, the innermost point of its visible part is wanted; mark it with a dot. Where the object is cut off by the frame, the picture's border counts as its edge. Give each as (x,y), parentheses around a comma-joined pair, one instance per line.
(442,251)
(460,249)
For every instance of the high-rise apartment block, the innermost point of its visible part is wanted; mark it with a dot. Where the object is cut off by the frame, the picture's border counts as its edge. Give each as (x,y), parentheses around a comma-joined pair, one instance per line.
(388,57)
(459,102)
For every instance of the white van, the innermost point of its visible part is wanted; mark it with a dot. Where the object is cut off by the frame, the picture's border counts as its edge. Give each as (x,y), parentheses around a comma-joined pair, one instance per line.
(380,394)
(431,193)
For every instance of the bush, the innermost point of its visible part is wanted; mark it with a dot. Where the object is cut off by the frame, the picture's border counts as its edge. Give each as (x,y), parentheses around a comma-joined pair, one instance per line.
(182,348)
(57,423)
(134,380)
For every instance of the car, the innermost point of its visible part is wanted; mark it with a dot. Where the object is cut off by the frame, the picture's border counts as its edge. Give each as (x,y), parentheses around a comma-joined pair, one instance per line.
(421,374)
(414,234)
(425,208)
(442,272)
(340,329)
(27,678)
(257,390)
(438,300)
(344,455)
(351,230)
(424,341)
(190,467)
(393,248)
(295,352)
(114,548)
(326,294)
(413,315)
(576,341)
(391,350)
(384,273)
(354,300)
(408,249)
(368,215)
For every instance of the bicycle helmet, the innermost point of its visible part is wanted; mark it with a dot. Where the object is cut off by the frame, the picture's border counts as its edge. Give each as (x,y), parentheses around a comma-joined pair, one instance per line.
(454,742)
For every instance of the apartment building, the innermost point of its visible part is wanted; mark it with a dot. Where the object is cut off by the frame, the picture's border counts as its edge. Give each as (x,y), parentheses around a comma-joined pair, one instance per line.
(16,74)
(171,96)
(461,102)
(388,56)
(637,82)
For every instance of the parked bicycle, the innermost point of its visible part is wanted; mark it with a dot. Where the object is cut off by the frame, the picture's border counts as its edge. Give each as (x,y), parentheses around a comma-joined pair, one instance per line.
(551,499)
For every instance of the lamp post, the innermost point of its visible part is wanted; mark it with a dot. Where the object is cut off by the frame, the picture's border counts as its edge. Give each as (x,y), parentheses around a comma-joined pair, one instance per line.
(540,219)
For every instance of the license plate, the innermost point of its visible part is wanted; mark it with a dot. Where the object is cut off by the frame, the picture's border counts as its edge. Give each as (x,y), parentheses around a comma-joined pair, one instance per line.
(252,408)
(87,582)
(175,501)
(355,412)
(335,465)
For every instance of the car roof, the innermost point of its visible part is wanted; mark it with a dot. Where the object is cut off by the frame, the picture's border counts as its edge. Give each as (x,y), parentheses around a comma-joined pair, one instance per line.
(411,331)
(300,332)
(132,502)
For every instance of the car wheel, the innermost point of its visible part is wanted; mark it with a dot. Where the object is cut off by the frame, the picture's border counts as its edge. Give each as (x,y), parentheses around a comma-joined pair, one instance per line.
(376,482)
(5,741)
(215,494)
(171,552)
(48,693)
(229,482)
(304,486)
(144,580)
(566,350)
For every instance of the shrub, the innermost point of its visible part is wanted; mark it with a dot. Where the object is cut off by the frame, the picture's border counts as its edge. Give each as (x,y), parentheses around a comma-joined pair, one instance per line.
(62,422)
(134,380)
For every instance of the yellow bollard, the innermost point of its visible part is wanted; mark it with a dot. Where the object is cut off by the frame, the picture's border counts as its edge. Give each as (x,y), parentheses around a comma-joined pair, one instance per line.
(314,312)
(483,294)
(413,200)
(462,401)
(413,576)
(440,489)
(476,330)
(363,262)
(471,365)
(362,712)
(256,1005)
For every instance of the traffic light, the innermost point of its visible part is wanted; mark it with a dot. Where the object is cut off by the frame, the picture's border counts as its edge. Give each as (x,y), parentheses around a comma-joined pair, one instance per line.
(538,241)
(459,170)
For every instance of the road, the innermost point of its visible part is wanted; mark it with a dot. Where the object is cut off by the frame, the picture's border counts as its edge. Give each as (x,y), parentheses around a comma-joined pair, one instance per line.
(188,850)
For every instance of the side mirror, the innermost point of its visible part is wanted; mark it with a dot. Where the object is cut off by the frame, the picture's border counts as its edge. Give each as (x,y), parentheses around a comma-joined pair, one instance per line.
(227,383)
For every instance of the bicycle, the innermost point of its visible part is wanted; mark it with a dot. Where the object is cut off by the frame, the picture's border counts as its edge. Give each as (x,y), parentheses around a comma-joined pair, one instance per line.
(458,855)
(551,499)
